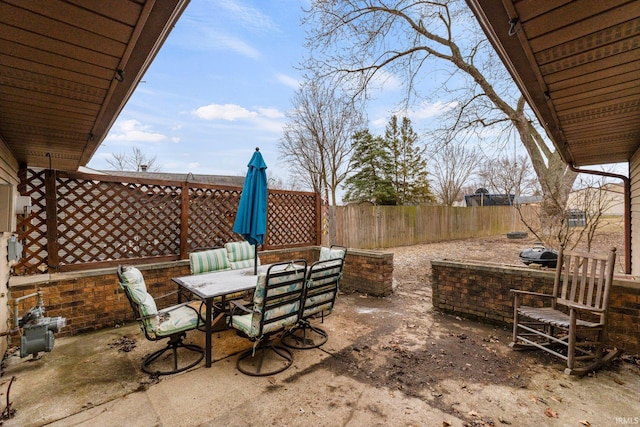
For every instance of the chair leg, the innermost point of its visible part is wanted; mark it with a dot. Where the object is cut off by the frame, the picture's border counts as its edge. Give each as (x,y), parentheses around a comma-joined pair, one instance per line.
(571,349)
(175,342)
(304,337)
(265,359)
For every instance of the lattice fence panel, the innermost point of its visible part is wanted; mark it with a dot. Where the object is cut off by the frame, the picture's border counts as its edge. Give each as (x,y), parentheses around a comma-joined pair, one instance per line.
(291,219)
(32,228)
(212,213)
(104,221)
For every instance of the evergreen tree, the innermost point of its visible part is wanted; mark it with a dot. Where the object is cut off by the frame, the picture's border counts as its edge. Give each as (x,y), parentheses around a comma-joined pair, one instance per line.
(407,169)
(369,182)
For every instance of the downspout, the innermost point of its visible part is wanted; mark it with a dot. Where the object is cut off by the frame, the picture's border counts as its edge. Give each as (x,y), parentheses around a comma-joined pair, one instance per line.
(627,210)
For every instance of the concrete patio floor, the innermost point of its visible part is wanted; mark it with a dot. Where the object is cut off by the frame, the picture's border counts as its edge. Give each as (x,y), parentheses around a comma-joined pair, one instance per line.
(390,361)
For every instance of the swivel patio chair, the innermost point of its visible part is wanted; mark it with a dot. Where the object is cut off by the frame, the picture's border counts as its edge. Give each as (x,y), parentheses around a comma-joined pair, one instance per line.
(320,295)
(570,323)
(214,260)
(276,304)
(170,323)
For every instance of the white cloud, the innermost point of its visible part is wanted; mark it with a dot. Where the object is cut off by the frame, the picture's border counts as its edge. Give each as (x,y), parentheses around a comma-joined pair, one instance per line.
(248,17)
(266,119)
(228,112)
(233,43)
(288,81)
(380,122)
(386,81)
(175,139)
(431,110)
(134,131)
(270,113)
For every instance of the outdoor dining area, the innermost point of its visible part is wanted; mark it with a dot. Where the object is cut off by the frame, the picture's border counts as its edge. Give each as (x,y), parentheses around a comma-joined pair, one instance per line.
(231,289)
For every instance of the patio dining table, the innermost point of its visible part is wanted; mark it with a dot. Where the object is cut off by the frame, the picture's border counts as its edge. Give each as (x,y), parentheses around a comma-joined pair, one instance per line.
(208,286)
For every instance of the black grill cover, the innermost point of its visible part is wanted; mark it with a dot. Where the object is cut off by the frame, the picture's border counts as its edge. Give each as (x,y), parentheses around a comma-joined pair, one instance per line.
(540,255)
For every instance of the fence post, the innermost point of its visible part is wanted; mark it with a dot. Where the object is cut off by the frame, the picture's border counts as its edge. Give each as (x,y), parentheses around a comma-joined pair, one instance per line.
(184,221)
(318,220)
(51,200)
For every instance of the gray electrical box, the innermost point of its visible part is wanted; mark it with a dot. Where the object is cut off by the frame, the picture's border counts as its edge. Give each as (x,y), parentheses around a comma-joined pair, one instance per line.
(6,207)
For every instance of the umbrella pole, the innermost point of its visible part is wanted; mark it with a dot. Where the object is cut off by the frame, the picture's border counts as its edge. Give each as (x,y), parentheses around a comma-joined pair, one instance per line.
(255,259)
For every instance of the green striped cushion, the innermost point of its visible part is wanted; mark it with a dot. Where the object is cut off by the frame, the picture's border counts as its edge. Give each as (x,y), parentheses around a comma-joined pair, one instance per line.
(239,251)
(326,253)
(133,280)
(243,264)
(210,260)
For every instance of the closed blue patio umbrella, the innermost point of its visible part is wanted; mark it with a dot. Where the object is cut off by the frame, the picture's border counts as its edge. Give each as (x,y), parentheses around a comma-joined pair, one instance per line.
(251,218)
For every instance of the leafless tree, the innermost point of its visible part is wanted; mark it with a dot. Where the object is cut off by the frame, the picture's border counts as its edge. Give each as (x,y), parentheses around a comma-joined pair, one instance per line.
(508,175)
(316,142)
(359,42)
(593,198)
(136,161)
(451,167)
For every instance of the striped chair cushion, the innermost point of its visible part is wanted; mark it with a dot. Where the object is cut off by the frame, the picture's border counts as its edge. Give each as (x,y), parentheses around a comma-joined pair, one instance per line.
(250,323)
(326,253)
(239,251)
(210,260)
(134,282)
(240,254)
(172,320)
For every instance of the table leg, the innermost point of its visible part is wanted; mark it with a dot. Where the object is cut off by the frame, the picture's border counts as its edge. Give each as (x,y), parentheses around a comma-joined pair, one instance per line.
(209,304)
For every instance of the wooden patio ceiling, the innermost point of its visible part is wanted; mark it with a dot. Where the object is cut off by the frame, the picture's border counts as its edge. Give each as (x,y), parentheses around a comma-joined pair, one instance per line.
(67,68)
(578,64)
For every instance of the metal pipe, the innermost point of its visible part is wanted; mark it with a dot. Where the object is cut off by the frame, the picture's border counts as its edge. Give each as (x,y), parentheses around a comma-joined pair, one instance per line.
(627,210)
(16,301)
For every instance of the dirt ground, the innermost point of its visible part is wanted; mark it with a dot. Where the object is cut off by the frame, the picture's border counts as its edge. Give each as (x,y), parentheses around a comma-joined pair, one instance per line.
(422,351)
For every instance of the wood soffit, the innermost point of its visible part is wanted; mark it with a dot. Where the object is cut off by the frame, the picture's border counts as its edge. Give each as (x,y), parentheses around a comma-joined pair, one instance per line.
(578,65)
(67,68)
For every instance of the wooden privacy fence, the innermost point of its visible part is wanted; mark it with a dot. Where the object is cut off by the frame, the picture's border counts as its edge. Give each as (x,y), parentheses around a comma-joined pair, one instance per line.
(375,227)
(82,221)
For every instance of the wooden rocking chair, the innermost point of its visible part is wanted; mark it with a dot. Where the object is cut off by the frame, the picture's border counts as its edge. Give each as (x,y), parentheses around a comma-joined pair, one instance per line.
(573,323)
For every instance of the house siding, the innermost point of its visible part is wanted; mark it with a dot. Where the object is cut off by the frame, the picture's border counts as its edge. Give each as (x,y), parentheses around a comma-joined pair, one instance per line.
(634,175)
(8,175)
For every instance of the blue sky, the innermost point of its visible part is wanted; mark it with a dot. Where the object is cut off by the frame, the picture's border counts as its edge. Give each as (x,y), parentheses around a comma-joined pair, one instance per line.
(220,86)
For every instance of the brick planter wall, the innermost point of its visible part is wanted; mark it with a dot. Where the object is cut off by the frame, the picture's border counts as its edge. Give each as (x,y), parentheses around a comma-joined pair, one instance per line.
(92,300)
(481,291)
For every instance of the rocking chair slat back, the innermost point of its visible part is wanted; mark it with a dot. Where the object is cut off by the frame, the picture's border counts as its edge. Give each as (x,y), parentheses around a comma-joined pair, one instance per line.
(586,279)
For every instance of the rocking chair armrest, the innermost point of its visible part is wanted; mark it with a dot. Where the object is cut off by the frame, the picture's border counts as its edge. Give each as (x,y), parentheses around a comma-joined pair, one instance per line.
(582,307)
(538,294)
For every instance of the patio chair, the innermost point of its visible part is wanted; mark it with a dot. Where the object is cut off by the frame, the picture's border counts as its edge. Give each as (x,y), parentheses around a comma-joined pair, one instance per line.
(276,305)
(320,295)
(332,252)
(571,323)
(241,254)
(207,261)
(170,323)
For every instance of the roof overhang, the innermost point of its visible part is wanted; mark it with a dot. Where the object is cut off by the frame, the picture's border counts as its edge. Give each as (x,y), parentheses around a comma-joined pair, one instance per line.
(67,70)
(578,65)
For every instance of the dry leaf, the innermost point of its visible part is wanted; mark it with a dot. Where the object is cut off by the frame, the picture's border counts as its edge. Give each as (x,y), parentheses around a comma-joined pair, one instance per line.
(446,424)
(557,399)
(551,413)
(585,423)
(533,399)
(620,382)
